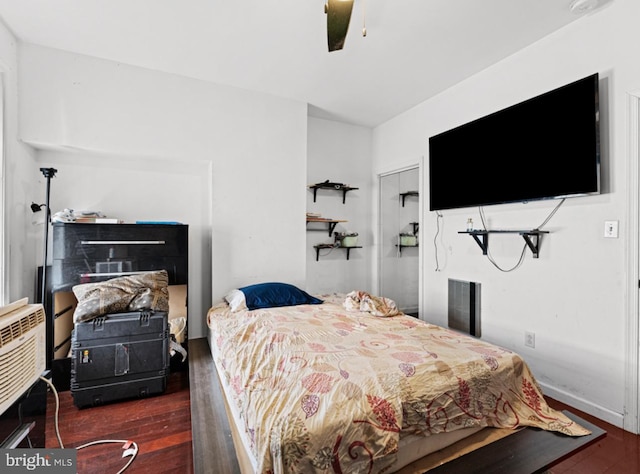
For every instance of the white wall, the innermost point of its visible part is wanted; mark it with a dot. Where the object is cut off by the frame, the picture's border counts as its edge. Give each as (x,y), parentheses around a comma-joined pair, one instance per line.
(115,119)
(21,186)
(134,188)
(573,296)
(147,145)
(341,153)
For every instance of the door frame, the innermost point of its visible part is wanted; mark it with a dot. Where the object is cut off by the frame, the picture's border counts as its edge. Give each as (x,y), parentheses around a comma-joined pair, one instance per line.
(632,365)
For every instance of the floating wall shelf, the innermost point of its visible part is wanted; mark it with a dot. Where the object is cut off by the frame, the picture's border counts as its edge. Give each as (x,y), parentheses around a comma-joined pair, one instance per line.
(332,223)
(331,246)
(335,186)
(400,247)
(531,237)
(408,193)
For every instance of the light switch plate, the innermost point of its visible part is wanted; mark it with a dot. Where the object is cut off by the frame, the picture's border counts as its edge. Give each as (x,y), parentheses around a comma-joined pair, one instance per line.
(611,229)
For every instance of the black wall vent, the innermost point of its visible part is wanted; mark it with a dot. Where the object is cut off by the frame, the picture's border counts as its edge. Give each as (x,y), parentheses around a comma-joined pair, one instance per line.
(464,306)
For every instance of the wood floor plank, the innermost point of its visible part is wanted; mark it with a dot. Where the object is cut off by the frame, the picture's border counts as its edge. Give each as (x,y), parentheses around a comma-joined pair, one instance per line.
(160,425)
(534,450)
(185,430)
(213,448)
(528,451)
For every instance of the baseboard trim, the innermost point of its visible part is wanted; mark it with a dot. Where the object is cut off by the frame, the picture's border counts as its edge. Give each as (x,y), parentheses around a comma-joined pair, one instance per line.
(610,416)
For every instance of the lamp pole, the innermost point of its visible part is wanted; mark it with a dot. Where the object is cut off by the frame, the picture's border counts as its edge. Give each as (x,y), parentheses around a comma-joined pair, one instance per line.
(47,173)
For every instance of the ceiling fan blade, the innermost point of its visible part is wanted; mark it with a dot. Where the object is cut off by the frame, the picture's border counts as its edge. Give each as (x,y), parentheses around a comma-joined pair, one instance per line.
(338,17)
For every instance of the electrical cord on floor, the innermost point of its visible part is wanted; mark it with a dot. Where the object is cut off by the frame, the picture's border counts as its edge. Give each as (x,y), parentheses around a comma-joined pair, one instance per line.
(130,447)
(55,419)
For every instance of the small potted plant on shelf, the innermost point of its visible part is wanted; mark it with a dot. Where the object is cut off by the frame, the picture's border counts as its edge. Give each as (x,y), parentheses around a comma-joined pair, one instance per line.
(346,239)
(408,240)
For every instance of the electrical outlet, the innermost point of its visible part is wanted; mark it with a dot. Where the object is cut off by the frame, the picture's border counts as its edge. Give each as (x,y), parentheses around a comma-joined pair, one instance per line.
(530,339)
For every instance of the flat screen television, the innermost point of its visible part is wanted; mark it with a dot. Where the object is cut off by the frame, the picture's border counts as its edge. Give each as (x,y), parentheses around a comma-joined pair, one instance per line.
(543,148)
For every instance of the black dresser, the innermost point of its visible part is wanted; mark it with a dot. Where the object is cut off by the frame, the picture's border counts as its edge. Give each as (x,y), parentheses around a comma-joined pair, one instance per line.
(88,253)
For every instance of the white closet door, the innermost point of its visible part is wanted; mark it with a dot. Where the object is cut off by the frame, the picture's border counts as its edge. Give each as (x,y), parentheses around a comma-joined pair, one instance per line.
(399,270)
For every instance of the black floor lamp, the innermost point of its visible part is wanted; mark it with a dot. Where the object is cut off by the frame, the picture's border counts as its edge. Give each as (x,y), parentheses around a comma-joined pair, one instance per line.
(47,173)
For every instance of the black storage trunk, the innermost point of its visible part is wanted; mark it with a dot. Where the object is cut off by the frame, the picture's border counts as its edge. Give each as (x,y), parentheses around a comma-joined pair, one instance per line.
(119,356)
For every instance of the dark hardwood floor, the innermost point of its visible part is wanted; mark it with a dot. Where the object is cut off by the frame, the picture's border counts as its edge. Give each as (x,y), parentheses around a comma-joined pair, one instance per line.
(161,426)
(617,453)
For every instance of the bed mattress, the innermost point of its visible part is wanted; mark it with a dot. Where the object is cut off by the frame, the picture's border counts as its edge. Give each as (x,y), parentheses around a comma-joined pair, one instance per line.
(410,448)
(319,388)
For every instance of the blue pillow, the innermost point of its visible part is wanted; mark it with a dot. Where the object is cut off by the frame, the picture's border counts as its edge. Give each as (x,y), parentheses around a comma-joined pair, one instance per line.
(270,295)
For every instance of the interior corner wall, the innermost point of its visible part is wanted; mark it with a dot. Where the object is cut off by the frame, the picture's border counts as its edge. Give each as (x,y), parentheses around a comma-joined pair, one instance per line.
(21,186)
(339,152)
(148,145)
(573,296)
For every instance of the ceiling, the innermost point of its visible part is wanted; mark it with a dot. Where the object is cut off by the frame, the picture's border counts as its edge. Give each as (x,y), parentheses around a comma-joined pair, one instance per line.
(413,50)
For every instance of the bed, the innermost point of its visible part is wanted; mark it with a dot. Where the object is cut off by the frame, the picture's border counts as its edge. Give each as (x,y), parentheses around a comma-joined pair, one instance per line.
(346,383)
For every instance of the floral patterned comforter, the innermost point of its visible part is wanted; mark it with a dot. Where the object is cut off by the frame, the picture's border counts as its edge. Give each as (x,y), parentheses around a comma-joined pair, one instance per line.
(319,388)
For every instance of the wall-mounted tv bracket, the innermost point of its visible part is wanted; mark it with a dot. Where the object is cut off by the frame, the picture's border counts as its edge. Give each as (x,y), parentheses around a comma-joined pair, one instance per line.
(327,185)
(408,193)
(531,237)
